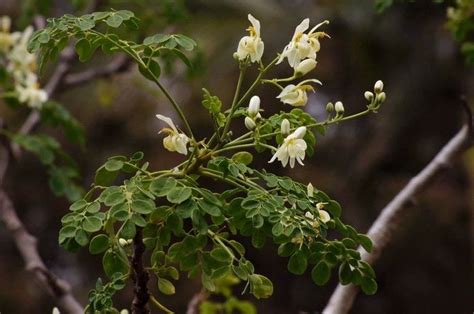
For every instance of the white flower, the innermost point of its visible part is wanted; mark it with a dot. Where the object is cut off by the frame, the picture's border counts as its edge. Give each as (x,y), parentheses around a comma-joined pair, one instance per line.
(249,123)
(302,45)
(296,95)
(310,190)
(378,87)
(285,127)
(252,45)
(175,141)
(369,96)
(339,107)
(31,94)
(6,38)
(55,311)
(124,311)
(324,216)
(254,106)
(305,67)
(293,148)
(309,215)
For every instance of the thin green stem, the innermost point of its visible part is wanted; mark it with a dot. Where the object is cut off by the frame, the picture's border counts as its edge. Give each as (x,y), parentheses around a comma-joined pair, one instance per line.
(247,94)
(233,107)
(160,306)
(209,174)
(227,148)
(126,48)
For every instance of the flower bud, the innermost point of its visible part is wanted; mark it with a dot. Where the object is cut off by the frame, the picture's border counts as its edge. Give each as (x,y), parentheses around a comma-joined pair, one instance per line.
(320,205)
(300,132)
(330,107)
(369,96)
(378,87)
(285,127)
(55,311)
(124,311)
(305,67)
(254,106)
(381,97)
(258,117)
(339,107)
(310,190)
(324,215)
(123,242)
(249,123)
(309,215)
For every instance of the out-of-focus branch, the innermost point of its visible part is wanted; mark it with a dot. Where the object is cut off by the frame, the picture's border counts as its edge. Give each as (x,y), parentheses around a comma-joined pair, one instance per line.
(197,299)
(26,244)
(387,223)
(119,64)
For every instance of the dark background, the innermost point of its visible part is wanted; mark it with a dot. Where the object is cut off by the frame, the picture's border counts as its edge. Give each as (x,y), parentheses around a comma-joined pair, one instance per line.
(362,163)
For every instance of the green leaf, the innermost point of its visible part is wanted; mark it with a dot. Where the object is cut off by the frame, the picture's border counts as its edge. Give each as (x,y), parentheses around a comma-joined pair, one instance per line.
(261,286)
(221,254)
(128,230)
(113,165)
(84,49)
(179,195)
(211,103)
(345,273)
(99,243)
(162,186)
(143,206)
(166,287)
(365,242)
(78,205)
(334,208)
(297,263)
(151,66)
(104,177)
(115,262)
(369,285)
(85,24)
(243,158)
(115,198)
(81,237)
(92,224)
(114,20)
(210,209)
(321,273)
(185,42)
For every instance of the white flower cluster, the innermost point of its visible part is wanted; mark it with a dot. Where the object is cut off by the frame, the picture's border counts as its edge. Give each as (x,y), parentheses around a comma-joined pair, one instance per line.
(20,64)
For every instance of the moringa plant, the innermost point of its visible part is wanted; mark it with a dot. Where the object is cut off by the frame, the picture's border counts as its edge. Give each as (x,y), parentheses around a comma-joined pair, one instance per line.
(170,214)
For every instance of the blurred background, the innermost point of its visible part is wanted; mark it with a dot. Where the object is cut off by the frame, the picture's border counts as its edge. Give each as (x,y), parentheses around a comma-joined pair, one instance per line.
(362,163)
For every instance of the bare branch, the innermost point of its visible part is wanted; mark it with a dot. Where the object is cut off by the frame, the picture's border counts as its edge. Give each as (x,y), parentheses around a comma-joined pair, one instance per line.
(26,244)
(198,298)
(119,64)
(387,223)
(140,276)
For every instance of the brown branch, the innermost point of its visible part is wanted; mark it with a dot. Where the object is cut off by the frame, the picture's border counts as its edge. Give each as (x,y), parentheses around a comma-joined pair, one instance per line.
(140,276)
(197,299)
(387,223)
(27,245)
(119,64)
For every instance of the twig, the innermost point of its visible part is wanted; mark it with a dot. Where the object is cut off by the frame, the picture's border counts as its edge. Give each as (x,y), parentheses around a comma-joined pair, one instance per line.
(198,298)
(140,276)
(27,245)
(119,64)
(382,230)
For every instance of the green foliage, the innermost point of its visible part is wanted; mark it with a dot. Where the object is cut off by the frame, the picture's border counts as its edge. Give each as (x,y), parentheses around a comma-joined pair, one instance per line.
(187,228)
(63,172)
(100,298)
(461,24)
(230,304)
(87,29)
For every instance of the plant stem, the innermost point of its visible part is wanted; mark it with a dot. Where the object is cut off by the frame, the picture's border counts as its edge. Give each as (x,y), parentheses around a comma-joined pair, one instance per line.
(232,147)
(160,306)
(233,107)
(140,276)
(247,93)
